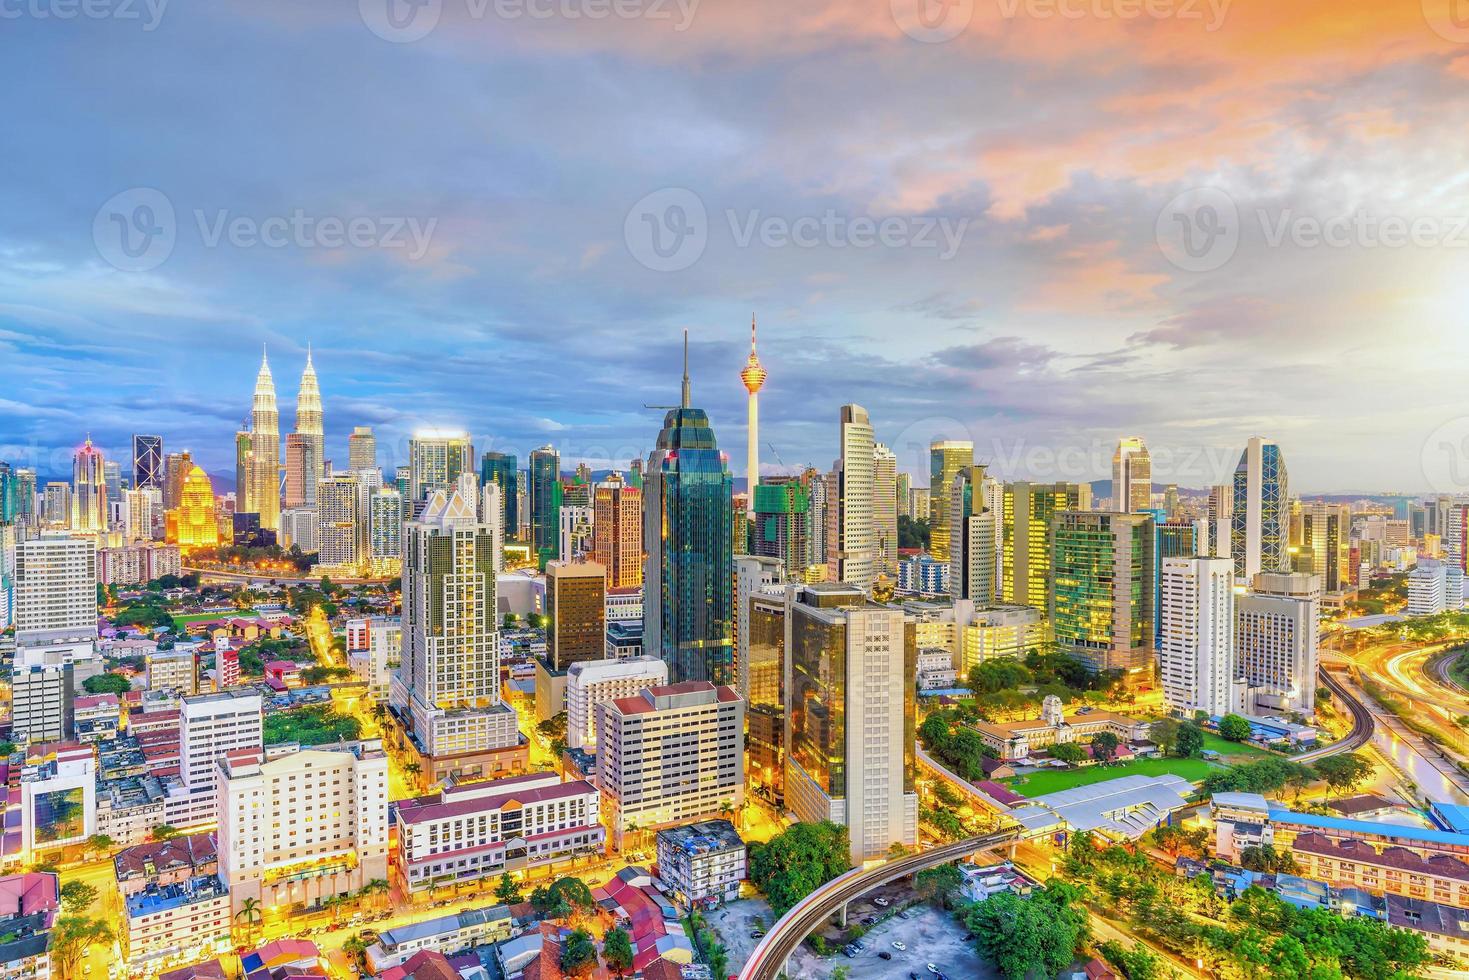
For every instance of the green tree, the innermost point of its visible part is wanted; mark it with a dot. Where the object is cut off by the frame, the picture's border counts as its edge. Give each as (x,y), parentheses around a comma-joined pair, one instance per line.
(1164,734)
(578,954)
(1067,752)
(77,896)
(1029,937)
(1137,963)
(72,936)
(617,951)
(938,885)
(1234,728)
(1343,772)
(99,843)
(1267,860)
(799,860)
(999,674)
(507,891)
(252,913)
(107,684)
(1189,741)
(1104,746)
(911,533)
(164,832)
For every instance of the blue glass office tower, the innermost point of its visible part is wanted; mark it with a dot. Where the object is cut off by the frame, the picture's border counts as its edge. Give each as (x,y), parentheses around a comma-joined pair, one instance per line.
(688,605)
(544,498)
(9,495)
(1261,520)
(502,468)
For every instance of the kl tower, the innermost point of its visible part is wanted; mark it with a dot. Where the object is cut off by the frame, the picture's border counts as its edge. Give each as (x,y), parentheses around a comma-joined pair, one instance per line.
(753,375)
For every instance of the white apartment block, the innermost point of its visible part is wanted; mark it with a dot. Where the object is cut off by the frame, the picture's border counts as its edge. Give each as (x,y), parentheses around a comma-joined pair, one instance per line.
(137,564)
(298,529)
(1196,653)
(1428,589)
(1276,635)
(702,861)
(374,651)
(188,920)
(482,829)
(339,517)
(173,670)
(670,754)
(593,682)
(55,591)
(211,725)
(40,703)
(303,826)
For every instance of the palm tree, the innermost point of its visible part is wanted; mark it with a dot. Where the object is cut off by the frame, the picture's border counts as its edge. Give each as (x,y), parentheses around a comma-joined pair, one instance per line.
(252,913)
(412,770)
(377,886)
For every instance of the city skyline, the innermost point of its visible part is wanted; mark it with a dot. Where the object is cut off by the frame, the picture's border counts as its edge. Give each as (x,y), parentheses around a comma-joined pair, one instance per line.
(1057,318)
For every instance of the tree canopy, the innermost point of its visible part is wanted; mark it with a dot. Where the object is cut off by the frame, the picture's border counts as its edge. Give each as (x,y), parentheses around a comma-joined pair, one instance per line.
(1234,728)
(799,860)
(1029,937)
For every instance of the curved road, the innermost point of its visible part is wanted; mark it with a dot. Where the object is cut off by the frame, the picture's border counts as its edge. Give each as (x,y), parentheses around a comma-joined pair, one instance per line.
(1361,721)
(770,955)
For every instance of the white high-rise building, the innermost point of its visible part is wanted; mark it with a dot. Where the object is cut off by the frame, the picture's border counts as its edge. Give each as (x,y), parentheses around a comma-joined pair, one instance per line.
(593,682)
(386,531)
(1277,628)
(850,659)
(265,451)
(211,725)
(885,508)
(670,755)
(143,515)
(298,529)
(88,491)
(338,517)
(1428,589)
(436,460)
(55,596)
(974,546)
(855,560)
(1196,653)
(302,827)
(309,429)
(447,691)
(754,574)
(1132,476)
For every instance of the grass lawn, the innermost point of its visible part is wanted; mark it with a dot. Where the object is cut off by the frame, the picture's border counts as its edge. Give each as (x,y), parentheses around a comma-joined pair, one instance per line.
(1233,752)
(199,617)
(1055,780)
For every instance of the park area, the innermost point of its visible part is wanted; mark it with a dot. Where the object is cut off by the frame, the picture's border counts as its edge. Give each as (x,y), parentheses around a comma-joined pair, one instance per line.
(1046,781)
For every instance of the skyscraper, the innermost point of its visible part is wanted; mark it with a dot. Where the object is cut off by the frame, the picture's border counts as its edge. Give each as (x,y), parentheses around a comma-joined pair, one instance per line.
(753,375)
(782,525)
(88,491)
(945,459)
(1277,627)
(244,472)
(1261,511)
(361,449)
(265,451)
(617,532)
(1101,596)
(339,517)
(308,427)
(501,469)
(447,692)
(298,462)
(147,461)
(1196,653)
(545,501)
(436,460)
(385,530)
(885,509)
(193,521)
(1025,524)
(974,544)
(1132,476)
(1326,543)
(855,561)
(576,605)
(176,466)
(688,546)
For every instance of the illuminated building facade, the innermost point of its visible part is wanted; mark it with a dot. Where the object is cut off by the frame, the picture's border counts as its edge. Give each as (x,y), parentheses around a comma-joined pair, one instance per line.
(752,376)
(544,492)
(945,459)
(147,461)
(193,522)
(88,491)
(309,432)
(265,451)
(1025,523)
(1132,476)
(1261,515)
(1101,596)
(617,531)
(500,469)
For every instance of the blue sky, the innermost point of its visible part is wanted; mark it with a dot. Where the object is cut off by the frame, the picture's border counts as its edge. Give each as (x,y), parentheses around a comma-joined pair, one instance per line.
(1023,291)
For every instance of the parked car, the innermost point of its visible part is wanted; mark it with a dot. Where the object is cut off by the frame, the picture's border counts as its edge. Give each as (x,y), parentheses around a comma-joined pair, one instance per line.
(881,903)
(884,955)
(899,945)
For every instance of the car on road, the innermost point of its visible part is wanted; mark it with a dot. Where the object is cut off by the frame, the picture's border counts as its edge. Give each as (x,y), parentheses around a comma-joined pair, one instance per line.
(884,955)
(933,969)
(899,945)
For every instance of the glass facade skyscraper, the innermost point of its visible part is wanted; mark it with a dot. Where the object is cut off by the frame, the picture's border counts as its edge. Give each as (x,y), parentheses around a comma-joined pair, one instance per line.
(147,461)
(501,468)
(1102,592)
(1260,529)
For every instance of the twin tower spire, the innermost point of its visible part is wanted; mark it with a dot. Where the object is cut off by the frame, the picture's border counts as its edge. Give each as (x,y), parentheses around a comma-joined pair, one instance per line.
(263,469)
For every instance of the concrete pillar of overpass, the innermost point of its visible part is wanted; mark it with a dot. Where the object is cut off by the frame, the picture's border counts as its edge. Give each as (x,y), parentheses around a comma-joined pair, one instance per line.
(1011,849)
(842,916)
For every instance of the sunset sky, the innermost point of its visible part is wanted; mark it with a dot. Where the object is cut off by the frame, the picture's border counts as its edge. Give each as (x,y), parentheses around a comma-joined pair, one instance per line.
(1034,167)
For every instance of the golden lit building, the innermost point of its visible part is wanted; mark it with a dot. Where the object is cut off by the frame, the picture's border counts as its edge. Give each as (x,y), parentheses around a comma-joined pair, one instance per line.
(192,524)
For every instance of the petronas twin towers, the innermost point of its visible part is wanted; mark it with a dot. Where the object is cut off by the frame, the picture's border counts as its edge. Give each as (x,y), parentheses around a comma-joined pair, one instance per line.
(262,495)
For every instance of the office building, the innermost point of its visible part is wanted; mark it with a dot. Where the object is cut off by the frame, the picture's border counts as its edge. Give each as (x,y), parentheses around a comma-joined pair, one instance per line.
(339,524)
(1196,654)
(477,831)
(974,538)
(265,451)
(447,693)
(945,459)
(1002,631)
(753,376)
(147,462)
(500,469)
(298,451)
(56,505)
(143,514)
(593,682)
(194,523)
(781,524)
(1276,643)
(574,538)
(173,670)
(576,612)
(88,491)
(688,547)
(385,530)
(55,593)
(436,460)
(1260,515)
(298,529)
(361,449)
(58,799)
(851,709)
(1101,597)
(1132,476)
(854,555)
(701,862)
(669,755)
(309,432)
(1326,544)
(211,726)
(885,509)
(1025,523)
(617,531)
(544,492)
(303,827)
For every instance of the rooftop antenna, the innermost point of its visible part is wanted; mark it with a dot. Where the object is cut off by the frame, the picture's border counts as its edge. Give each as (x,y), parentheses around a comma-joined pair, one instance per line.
(686,399)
